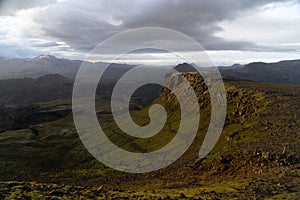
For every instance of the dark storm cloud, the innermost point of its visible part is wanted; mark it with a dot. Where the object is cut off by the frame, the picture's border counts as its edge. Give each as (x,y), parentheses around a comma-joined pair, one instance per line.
(199,19)
(83,24)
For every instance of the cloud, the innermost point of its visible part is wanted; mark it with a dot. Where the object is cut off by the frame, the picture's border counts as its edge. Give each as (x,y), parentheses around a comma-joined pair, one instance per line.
(275,28)
(83,24)
(78,26)
(9,7)
(46,44)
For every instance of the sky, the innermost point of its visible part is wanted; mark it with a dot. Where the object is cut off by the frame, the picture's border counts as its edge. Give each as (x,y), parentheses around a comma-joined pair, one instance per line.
(230,31)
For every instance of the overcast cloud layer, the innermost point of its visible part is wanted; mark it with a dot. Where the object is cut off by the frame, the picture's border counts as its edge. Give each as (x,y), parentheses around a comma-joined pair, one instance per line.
(72,28)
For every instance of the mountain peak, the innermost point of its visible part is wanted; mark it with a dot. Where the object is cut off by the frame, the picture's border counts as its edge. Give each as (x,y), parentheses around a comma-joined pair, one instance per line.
(185,67)
(45,57)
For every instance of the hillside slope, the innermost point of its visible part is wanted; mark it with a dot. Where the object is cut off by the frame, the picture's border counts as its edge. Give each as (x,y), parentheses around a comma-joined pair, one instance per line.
(257,155)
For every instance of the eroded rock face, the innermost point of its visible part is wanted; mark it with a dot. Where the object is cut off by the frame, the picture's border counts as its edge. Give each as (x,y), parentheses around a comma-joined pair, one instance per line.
(255,125)
(244,101)
(176,81)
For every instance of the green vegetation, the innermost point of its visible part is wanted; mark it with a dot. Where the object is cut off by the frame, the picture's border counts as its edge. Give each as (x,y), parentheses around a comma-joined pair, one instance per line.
(257,155)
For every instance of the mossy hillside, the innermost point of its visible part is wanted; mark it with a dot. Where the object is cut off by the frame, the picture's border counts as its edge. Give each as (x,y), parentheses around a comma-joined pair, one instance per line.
(251,145)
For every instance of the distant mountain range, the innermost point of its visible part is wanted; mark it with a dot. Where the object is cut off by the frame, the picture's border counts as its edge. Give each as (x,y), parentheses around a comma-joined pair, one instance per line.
(49,64)
(36,67)
(285,72)
(46,78)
